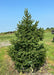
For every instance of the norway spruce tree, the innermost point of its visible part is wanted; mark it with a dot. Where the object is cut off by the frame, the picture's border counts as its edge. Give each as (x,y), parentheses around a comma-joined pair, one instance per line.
(25,50)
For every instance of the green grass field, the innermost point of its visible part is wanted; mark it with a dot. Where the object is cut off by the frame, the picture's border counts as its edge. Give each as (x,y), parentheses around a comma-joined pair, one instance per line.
(50,50)
(6,64)
(6,37)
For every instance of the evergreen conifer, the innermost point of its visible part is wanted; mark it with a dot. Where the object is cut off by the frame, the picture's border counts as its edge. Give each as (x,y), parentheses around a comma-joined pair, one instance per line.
(25,50)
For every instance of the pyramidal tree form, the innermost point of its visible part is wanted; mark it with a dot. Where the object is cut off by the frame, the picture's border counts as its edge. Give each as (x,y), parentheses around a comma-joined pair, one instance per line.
(25,50)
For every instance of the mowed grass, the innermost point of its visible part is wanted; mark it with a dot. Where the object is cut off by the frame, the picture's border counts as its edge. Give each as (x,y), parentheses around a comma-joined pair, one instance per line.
(6,37)
(2,60)
(6,64)
(49,45)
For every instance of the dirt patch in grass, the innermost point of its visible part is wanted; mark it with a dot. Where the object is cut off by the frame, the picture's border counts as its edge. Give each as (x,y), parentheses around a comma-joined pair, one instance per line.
(48,43)
(6,43)
(50,62)
(10,66)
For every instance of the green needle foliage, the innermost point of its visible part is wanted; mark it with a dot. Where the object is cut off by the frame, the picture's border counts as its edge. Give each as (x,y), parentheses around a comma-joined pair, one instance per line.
(25,50)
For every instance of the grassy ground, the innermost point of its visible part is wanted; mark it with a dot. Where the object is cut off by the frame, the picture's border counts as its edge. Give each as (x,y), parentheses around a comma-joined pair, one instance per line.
(6,65)
(6,37)
(50,50)
(49,45)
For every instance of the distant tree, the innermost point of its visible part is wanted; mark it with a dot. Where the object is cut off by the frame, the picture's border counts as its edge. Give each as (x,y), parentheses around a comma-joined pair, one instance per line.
(25,50)
(52,28)
(47,28)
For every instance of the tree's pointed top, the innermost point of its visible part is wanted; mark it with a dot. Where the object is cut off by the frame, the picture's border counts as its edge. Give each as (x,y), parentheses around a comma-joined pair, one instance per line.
(27,14)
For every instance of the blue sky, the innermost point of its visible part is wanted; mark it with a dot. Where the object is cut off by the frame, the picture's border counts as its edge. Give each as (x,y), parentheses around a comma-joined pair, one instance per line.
(12,11)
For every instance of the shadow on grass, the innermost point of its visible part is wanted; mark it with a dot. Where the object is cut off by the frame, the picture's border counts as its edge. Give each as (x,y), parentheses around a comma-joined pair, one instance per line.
(52,41)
